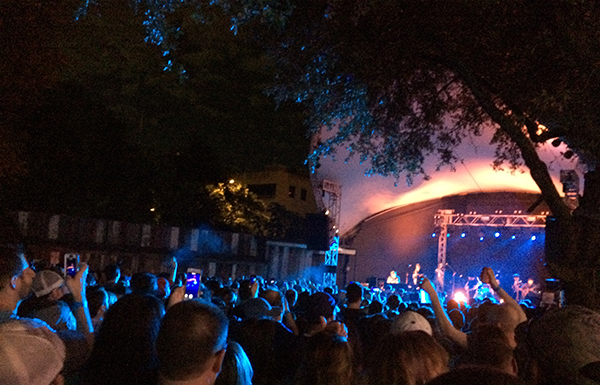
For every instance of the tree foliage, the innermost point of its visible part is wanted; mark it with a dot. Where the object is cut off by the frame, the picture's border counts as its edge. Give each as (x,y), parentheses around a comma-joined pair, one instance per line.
(403,80)
(238,209)
(99,126)
(235,208)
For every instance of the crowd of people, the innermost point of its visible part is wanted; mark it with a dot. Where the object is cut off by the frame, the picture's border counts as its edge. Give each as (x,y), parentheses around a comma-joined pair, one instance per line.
(102,328)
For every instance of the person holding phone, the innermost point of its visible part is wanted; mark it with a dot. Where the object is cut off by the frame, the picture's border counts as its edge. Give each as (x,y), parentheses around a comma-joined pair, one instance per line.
(16,279)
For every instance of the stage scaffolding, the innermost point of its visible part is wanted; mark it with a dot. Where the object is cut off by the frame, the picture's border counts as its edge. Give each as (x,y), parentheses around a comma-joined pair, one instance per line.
(445,218)
(332,199)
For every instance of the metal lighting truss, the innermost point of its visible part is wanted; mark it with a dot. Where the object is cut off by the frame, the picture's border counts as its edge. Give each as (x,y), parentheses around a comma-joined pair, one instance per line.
(445,218)
(332,199)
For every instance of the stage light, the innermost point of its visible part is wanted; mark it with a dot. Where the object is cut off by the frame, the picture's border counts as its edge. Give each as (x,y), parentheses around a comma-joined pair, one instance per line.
(497,234)
(460,297)
(433,235)
(533,237)
(513,237)
(448,235)
(481,239)
(463,234)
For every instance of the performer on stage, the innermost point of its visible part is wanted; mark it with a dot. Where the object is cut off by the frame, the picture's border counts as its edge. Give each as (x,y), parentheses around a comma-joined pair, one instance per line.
(416,273)
(517,287)
(529,288)
(472,286)
(439,273)
(393,277)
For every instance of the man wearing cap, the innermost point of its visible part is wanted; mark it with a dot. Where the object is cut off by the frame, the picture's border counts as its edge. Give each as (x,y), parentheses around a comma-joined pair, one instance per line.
(16,280)
(30,352)
(411,321)
(48,288)
(259,308)
(320,315)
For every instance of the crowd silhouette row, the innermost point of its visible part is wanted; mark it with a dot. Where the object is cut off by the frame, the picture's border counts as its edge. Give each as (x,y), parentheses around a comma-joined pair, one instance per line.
(103,328)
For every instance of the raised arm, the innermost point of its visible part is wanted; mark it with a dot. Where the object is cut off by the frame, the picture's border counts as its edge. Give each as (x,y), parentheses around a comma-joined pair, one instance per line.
(173,270)
(77,285)
(488,276)
(288,317)
(459,337)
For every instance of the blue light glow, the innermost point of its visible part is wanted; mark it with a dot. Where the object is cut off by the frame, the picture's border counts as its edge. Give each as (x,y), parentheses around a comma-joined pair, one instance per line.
(462,235)
(433,235)
(481,239)
(497,234)
(533,237)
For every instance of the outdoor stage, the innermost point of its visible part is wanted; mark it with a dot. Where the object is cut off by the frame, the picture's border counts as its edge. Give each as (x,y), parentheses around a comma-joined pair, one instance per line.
(399,238)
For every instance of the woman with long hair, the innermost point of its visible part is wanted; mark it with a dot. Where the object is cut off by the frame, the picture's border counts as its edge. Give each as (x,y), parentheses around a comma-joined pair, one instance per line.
(125,347)
(407,358)
(327,360)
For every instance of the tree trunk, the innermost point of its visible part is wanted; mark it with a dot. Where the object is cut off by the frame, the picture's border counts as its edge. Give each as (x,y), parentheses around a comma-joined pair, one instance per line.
(572,239)
(573,247)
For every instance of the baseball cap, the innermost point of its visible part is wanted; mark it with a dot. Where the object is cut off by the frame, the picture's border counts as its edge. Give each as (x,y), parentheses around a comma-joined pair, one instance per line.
(45,281)
(29,353)
(320,304)
(411,321)
(259,308)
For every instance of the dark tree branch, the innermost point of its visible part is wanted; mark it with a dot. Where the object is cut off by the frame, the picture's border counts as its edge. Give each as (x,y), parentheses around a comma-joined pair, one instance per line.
(538,169)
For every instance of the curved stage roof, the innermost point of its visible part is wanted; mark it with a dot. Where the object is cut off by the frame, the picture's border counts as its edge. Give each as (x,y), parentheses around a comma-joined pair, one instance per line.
(364,196)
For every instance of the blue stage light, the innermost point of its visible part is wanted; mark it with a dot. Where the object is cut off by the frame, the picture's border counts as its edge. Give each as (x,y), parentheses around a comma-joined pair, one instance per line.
(497,234)
(533,237)
(480,239)
(513,237)
(433,235)
(462,235)
(448,235)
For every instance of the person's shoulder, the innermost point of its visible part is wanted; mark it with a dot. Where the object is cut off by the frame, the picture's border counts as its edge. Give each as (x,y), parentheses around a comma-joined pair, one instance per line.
(361,310)
(23,323)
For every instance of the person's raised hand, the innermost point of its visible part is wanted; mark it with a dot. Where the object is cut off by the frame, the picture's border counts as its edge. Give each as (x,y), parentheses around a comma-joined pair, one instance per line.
(487,276)
(177,295)
(286,305)
(425,284)
(254,288)
(77,283)
(338,328)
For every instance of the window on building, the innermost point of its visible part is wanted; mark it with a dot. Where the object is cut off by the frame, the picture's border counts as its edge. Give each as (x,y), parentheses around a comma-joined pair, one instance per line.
(263,190)
(292,192)
(303,194)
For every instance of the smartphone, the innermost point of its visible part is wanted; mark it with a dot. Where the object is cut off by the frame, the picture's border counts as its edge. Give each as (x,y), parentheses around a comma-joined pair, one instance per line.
(424,297)
(71,262)
(192,285)
(552,295)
